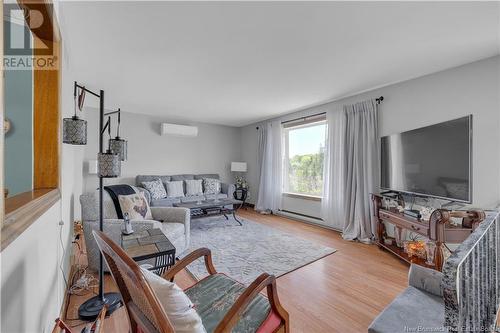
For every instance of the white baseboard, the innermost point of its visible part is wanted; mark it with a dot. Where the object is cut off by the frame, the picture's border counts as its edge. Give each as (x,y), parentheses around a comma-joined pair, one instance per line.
(305,219)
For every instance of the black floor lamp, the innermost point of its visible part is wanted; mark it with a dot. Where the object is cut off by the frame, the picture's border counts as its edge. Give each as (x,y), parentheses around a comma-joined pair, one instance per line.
(109,165)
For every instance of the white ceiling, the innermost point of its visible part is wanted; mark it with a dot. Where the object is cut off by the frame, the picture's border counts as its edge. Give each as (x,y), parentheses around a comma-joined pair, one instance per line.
(235,63)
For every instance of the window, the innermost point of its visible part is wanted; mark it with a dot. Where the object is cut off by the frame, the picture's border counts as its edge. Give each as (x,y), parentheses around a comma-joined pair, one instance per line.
(304,143)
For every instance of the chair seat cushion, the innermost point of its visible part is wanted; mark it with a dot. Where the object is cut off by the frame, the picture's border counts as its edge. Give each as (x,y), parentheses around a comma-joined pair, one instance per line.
(413,310)
(213,297)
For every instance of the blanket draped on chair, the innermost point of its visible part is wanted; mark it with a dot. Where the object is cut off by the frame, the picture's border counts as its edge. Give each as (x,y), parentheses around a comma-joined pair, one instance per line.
(116,190)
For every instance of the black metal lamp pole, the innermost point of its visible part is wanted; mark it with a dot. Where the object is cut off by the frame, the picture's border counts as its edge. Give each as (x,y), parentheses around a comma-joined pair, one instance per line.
(91,308)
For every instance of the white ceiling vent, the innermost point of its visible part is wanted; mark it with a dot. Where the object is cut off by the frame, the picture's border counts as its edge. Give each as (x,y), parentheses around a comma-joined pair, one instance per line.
(179,130)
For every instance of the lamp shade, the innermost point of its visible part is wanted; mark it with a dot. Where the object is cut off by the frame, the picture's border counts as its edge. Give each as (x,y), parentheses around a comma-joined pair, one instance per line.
(109,165)
(75,131)
(238,166)
(119,147)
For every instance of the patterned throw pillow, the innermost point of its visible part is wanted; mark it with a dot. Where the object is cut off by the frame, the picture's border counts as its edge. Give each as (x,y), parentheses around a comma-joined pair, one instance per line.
(211,185)
(193,187)
(156,189)
(175,189)
(136,206)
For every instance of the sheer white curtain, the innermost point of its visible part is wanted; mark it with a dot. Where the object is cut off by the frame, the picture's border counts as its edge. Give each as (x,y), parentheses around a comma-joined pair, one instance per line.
(270,184)
(351,170)
(332,208)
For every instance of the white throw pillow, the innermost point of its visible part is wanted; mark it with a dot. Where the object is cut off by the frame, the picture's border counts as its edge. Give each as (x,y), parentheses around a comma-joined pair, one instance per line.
(193,187)
(177,305)
(136,206)
(175,189)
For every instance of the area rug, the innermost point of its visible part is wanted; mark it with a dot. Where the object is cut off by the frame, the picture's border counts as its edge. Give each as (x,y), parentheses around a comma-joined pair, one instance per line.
(245,252)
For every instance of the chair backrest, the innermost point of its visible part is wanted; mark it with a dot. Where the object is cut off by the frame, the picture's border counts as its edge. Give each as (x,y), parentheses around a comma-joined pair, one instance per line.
(470,284)
(142,305)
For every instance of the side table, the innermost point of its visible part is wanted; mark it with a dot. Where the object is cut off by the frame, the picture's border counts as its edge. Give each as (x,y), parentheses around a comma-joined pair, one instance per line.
(143,246)
(241,194)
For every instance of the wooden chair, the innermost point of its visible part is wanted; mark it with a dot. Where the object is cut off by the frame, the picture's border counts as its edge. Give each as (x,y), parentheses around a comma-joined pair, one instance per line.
(146,313)
(95,327)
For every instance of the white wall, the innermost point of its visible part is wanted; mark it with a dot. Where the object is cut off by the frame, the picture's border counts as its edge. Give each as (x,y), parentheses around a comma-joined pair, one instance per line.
(469,89)
(212,151)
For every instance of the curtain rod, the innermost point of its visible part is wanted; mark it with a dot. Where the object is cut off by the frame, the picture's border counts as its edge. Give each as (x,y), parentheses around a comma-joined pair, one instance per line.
(303,118)
(377,100)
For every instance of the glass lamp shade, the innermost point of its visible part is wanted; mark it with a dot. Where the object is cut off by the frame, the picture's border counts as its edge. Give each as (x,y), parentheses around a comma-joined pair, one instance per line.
(75,131)
(108,165)
(119,147)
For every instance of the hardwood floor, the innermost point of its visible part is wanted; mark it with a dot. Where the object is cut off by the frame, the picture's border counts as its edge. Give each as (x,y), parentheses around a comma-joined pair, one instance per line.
(342,292)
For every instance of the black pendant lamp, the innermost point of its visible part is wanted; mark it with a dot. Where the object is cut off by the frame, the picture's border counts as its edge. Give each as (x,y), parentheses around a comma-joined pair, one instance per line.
(119,145)
(74,128)
(108,163)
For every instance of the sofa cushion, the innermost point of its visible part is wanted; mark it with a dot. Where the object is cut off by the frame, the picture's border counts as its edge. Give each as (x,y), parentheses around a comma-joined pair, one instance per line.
(181,177)
(193,187)
(207,175)
(413,310)
(156,189)
(172,230)
(219,196)
(214,296)
(193,198)
(175,189)
(176,304)
(166,202)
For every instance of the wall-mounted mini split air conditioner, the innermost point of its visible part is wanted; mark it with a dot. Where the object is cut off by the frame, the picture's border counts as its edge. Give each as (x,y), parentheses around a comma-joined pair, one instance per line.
(179,130)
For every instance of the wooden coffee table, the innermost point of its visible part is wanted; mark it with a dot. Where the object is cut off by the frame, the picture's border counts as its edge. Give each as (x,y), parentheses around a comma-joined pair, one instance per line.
(142,246)
(212,207)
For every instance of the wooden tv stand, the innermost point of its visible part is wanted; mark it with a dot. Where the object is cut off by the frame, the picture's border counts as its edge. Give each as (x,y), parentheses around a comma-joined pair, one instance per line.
(437,229)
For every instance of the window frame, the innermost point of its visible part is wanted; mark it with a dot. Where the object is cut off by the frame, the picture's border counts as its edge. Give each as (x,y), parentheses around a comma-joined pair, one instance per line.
(305,122)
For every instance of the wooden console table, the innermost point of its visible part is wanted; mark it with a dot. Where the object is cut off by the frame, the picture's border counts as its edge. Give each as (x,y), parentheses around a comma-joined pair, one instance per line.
(437,229)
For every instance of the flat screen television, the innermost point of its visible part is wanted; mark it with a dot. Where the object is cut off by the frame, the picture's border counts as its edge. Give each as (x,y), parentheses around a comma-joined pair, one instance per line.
(434,161)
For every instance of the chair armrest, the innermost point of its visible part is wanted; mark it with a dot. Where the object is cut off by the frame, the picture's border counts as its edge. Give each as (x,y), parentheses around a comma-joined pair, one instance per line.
(425,279)
(181,264)
(233,315)
(228,189)
(174,215)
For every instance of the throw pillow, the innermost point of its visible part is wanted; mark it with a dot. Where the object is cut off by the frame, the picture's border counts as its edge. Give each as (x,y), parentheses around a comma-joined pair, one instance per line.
(175,189)
(193,187)
(156,189)
(211,185)
(136,206)
(176,304)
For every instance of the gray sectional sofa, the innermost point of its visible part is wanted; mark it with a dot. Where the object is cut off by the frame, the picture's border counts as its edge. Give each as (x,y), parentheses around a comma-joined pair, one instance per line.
(227,190)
